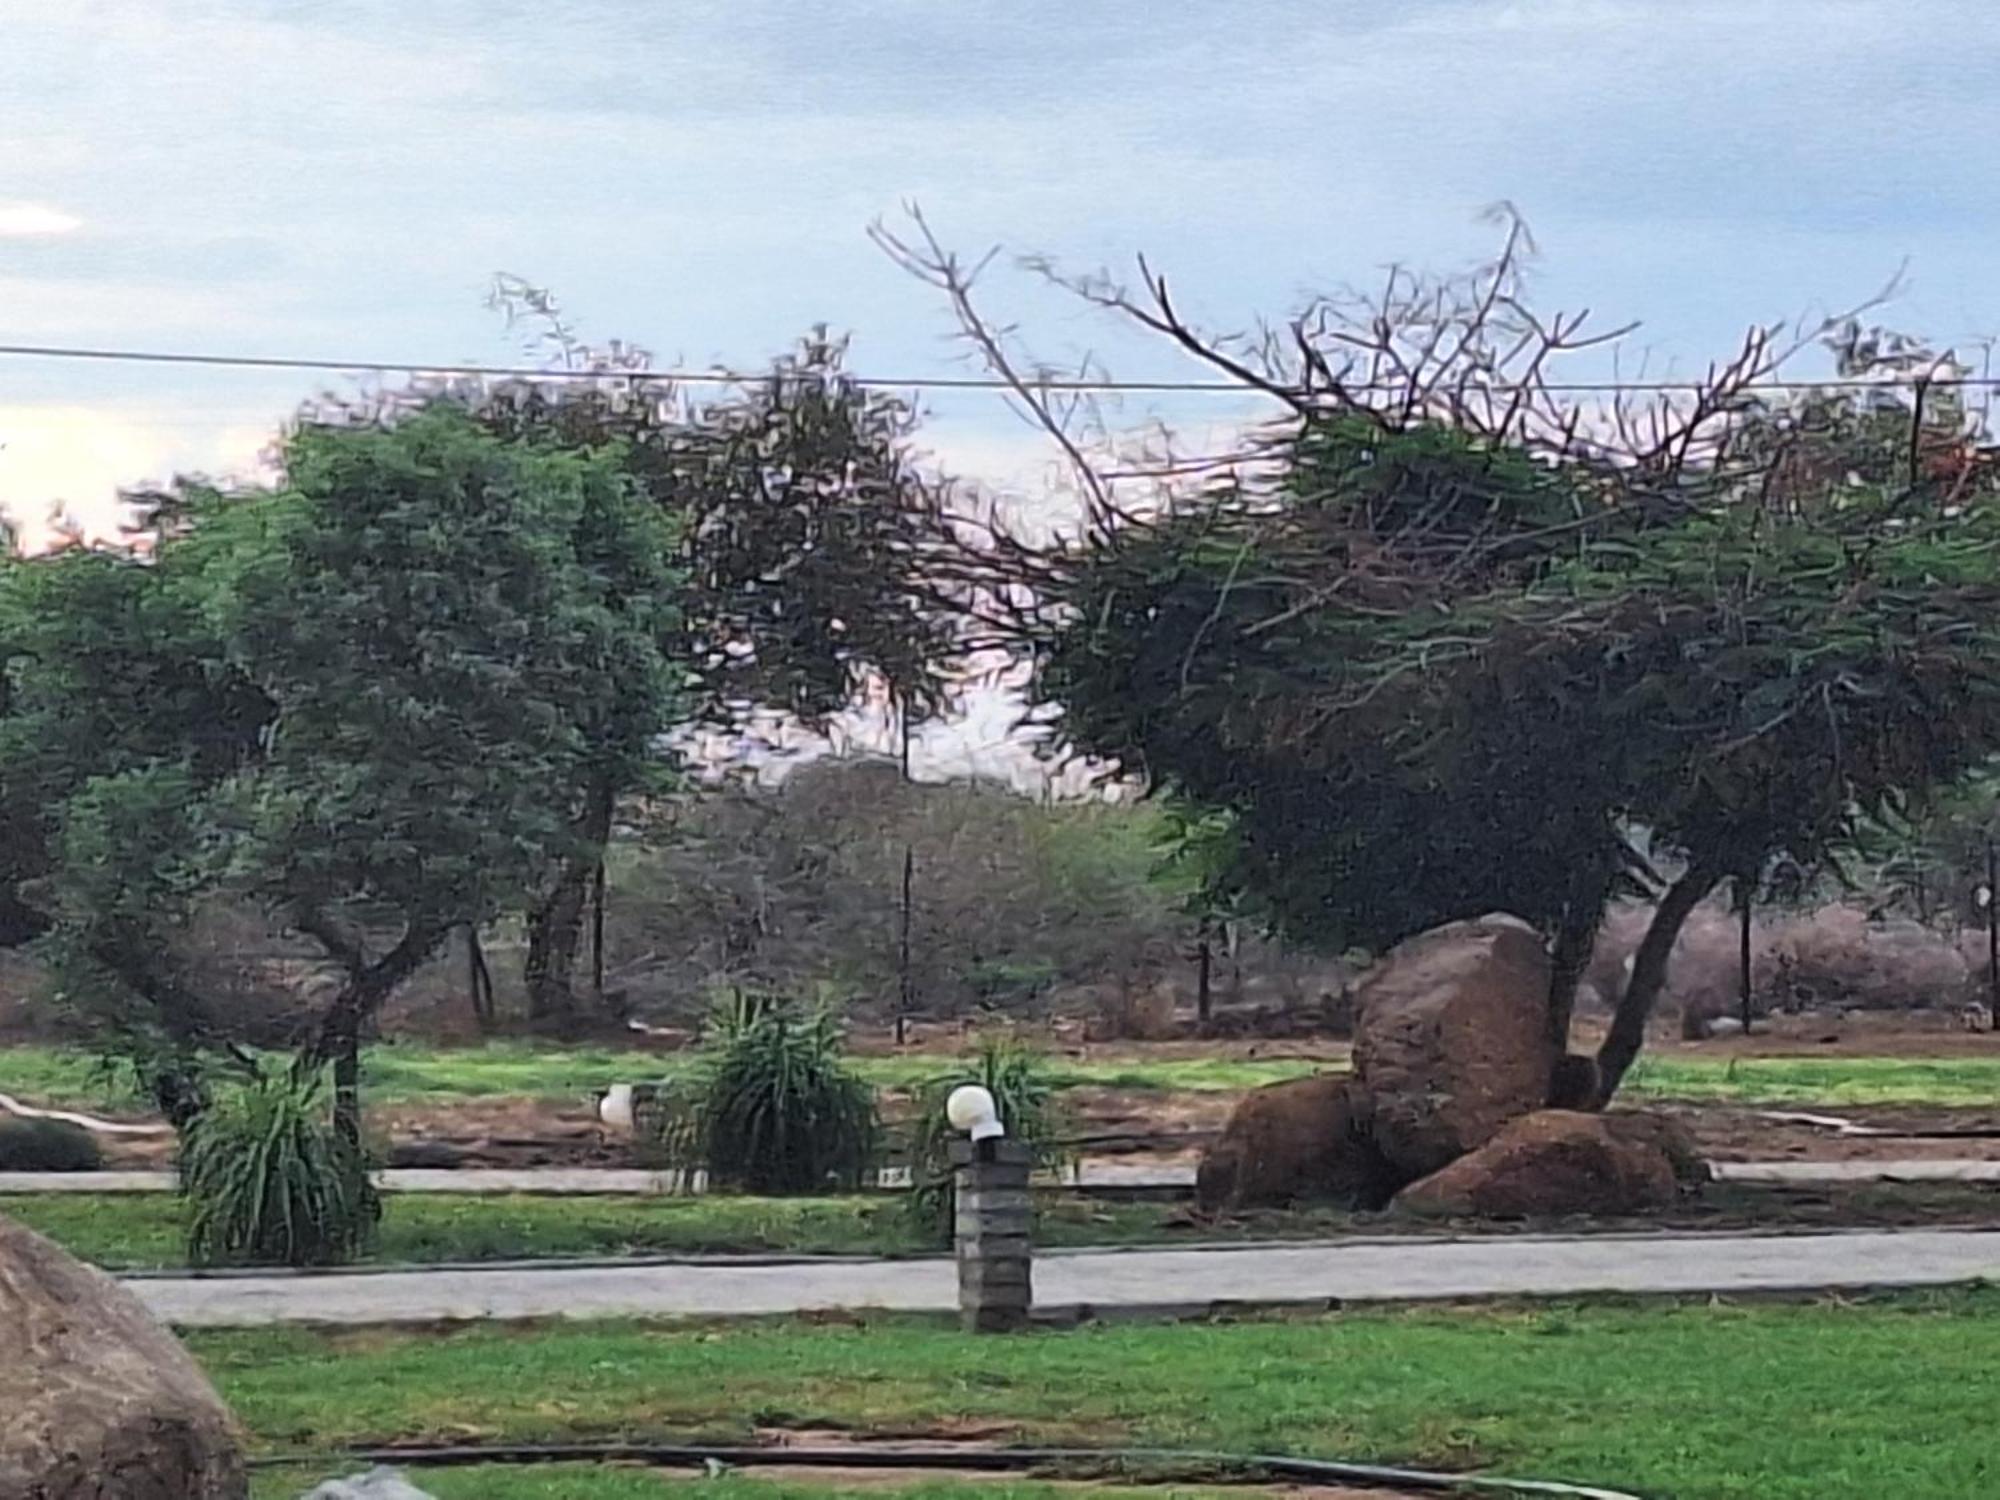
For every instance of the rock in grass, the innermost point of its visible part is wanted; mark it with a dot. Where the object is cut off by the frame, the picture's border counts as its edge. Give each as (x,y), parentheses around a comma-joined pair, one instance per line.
(1452,1041)
(99,1399)
(1555,1163)
(1290,1142)
(376,1484)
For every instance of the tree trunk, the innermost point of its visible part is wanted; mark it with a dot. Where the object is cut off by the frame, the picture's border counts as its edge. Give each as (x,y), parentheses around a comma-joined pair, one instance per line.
(1649,976)
(178,1093)
(1576,940)
(344,1045)
(597,892)
(478,979)
(338,1040)
(555,928)
(1204,1002)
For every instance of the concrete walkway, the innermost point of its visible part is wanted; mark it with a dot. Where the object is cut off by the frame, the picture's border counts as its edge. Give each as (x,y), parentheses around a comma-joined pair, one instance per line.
(612,1181)
(1130,1281)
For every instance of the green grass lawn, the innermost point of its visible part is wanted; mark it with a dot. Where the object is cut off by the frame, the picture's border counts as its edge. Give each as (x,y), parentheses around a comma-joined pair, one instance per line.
(399,1073)
(143,1231)
(1943,1083)
(1770,1401)
(396,1073)
(137,1231)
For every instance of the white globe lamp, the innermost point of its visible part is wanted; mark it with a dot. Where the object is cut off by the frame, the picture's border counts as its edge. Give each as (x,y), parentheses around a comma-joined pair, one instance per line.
(972,1110)
(614,1107)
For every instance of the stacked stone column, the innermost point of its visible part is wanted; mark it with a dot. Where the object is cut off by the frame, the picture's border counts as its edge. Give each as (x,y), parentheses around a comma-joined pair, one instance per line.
(991,1225)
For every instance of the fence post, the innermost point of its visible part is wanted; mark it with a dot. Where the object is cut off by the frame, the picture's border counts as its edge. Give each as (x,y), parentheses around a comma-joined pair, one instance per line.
(991,1220)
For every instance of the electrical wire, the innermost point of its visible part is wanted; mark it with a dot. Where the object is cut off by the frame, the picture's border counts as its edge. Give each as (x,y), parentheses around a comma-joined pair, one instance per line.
(925,382)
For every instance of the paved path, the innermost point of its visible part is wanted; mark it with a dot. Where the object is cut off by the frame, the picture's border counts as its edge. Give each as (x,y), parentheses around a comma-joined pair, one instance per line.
(586,1181)
(1129,1280)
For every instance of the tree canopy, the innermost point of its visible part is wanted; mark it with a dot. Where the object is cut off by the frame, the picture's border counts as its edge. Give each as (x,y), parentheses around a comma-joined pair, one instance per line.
(432,631)
(1443,635)
(800,521)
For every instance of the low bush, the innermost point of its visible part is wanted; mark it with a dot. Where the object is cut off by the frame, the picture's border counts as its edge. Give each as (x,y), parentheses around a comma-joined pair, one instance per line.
(1023,1093)
(771,1105)
(47,1146)
(267,1181)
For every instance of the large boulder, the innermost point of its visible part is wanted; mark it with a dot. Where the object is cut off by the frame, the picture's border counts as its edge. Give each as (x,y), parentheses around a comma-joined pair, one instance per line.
(1453,1040)
(1557,1162)
(100,1400)
(1301,1139)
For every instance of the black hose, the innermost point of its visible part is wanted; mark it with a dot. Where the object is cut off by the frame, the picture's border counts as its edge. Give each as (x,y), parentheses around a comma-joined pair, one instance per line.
(977,1460)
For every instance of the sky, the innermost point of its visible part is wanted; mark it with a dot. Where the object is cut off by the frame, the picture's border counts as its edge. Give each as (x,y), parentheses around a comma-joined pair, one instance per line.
(343,181)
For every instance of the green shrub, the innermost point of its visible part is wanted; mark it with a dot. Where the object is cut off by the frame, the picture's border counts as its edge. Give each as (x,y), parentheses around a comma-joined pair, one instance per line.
(771,1105)
(47,1146)
(267,1182)
(1018,1078)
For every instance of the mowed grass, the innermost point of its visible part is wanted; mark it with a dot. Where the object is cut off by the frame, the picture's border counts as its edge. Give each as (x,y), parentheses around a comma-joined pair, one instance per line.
(399,1073)
(1825,1401)
(145,1231)
(1964,1083)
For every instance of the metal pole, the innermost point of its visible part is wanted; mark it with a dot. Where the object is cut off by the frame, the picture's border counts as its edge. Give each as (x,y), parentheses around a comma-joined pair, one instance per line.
(903,954)
(1743,894)
(597,931)
(1992,934)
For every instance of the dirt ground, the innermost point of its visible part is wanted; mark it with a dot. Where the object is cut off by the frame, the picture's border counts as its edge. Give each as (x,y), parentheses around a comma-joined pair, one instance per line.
(1128,1124)
(521,1132)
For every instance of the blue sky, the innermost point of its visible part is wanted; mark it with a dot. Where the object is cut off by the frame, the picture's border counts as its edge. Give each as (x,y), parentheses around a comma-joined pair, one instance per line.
(697,177)
(343,180)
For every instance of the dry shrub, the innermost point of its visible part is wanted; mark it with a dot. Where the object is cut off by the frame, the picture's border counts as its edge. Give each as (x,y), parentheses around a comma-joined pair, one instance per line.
(1136,1012)
(1832,957)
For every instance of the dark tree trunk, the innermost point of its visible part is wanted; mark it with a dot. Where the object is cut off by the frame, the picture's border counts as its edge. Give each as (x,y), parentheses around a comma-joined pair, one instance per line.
(555,927)
(1649,976)
(178,1093)
(597,892)
(340,1043)
(1204,998)
(338,1040)
(478,980)
(1576,941)
(20,923)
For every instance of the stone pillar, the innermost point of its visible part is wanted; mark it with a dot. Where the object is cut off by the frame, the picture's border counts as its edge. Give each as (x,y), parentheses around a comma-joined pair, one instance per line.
(991,1223)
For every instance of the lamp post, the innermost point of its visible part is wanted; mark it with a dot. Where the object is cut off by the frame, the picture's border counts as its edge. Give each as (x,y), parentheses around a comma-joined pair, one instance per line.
(991,1216)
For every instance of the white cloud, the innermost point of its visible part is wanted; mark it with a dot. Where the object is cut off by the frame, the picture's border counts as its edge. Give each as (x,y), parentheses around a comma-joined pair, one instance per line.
(19,220)
(73,459)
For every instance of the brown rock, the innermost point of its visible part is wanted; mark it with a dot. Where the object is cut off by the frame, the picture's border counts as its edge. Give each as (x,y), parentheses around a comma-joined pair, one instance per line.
(1289,1141)
(102,1403)
(1559,1162)
(1667,1135)
(1453,1040)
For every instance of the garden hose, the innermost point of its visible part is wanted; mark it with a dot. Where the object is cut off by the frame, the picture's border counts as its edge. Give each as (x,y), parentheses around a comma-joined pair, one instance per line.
(976,1460)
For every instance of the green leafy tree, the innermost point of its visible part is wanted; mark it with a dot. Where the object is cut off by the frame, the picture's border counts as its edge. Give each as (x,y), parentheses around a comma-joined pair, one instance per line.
(443,628)
(800,521)
(1442,636)
(454,627)
(118,713)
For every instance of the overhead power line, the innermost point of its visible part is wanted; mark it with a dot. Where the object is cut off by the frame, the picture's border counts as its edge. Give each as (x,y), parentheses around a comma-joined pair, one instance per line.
(920,382)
